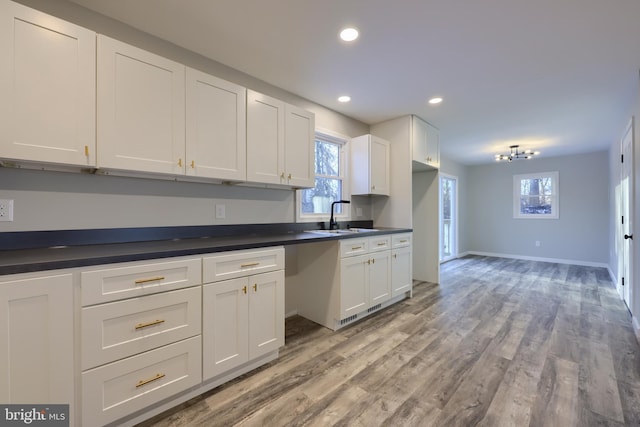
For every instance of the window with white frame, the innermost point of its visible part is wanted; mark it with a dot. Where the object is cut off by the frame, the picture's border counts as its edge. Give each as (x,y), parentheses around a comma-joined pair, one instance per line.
(330,172)
(535,195)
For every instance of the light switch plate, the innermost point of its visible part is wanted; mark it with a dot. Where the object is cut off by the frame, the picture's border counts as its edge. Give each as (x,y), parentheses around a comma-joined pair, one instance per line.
(6,210)
(221,211)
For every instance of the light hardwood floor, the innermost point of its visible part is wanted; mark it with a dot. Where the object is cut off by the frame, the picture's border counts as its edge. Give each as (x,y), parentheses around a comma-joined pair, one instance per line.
(500,342)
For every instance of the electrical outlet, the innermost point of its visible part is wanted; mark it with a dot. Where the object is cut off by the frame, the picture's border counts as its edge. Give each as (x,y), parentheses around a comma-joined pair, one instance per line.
(537,243)
(6,210)
(221,211)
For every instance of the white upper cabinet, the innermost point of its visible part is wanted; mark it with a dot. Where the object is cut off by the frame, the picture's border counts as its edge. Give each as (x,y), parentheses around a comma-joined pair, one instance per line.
(141,109)
(426,145)
(280,142)
(369,165)
(299,147)
(47,88)
(265,138)
(216,128)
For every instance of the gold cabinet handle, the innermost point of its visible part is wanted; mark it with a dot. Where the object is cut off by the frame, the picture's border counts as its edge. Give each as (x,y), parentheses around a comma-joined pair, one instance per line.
(382,244)
(373,261)
(404,241)
(86,150)
(373,187)
(150,380)
(353,248)
(244,290)
(249,264)
(289,177)
(180,162)
(150,279)
(395,256)
(255,287)
(369,261)
(193,164)
(146,325)
(282,175)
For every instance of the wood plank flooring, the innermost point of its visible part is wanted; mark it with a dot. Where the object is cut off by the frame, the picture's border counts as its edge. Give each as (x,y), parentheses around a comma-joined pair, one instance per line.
(500,342)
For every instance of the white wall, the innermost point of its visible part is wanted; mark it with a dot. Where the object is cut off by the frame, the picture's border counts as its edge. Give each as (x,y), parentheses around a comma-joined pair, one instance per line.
(49,200)
(581,232)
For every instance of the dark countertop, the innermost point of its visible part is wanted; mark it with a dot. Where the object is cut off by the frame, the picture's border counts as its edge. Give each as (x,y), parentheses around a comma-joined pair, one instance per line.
(70,256)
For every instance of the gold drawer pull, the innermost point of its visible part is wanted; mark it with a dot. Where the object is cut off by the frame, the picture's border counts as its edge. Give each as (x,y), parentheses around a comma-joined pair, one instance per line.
(255,287)
(150,380)
(244,290)
(249,264)
(150,279)
(353,248)
(146,325)
(382,244)
(404,241)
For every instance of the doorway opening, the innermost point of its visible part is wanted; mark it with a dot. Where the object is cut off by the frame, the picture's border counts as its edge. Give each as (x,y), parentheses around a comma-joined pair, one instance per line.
(448,217)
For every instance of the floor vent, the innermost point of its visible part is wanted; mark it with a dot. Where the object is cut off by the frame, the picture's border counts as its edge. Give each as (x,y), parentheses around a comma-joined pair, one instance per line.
(374,308)
(348,319)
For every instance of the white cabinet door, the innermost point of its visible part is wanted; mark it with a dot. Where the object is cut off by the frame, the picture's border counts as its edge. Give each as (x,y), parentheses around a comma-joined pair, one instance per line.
(216,128)
(225,326)
(36,340)
(433,146)
(265,139)
(47,88)
(379,277)
(425,144)
(379,166)
(141,109)
(354,285)
(266,313)
(370,171)
(299,147)
(401,270)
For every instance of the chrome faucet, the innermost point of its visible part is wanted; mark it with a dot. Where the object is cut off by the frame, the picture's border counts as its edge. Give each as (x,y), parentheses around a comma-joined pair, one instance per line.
(333,224)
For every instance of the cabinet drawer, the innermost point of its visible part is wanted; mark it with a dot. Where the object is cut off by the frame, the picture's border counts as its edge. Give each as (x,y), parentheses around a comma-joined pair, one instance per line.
(137,279)
(351,247)
(241,263)
(121,329)
(401,240)
(116,390)
(379,243)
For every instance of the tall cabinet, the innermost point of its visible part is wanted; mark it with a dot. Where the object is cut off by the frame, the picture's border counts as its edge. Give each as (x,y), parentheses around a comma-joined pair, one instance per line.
(415,202)
(47,88)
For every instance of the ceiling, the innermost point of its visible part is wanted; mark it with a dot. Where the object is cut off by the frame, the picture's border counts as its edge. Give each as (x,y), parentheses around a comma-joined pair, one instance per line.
(558,76)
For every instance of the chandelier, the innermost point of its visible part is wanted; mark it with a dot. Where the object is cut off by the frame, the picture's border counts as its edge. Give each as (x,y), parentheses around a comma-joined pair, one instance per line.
(515,154)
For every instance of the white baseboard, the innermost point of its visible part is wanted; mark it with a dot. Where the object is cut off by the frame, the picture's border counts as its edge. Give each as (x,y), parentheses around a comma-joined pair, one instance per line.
(636,327)
(291,313)
(532,258)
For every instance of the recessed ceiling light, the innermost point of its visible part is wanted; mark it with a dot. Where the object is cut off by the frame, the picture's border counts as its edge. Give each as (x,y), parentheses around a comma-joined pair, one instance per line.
(344,98)
(435,100)
(349,34)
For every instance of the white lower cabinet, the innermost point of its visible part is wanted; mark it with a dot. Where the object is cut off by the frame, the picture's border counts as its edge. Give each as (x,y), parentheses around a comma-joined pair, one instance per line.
(118,389)
(36,339)
(243,318)
(341,282)
(401,264)
(140,328)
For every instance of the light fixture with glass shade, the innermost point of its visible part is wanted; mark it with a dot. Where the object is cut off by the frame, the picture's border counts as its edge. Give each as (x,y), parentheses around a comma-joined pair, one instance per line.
(516,154)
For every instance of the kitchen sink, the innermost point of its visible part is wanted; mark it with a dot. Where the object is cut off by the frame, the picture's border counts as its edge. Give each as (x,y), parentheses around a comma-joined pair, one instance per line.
(343,231)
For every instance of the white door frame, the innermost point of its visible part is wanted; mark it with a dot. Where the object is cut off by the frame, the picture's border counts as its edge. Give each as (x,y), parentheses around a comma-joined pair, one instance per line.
(454,251)
(626,204)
